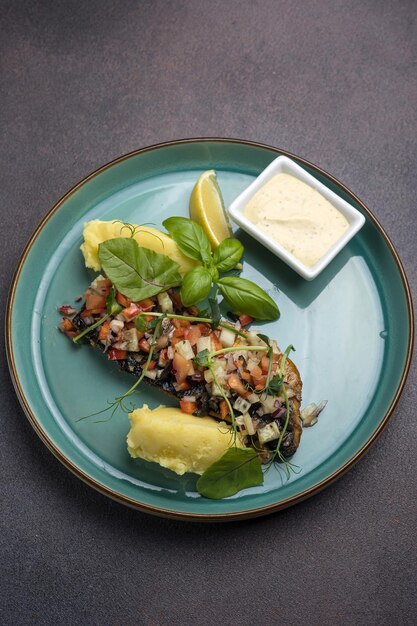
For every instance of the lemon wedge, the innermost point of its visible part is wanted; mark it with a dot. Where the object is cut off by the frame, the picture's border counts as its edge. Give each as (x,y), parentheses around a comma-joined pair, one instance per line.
(207,209)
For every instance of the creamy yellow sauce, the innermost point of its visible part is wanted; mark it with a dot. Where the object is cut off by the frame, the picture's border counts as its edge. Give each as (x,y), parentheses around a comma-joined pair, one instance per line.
(296,216)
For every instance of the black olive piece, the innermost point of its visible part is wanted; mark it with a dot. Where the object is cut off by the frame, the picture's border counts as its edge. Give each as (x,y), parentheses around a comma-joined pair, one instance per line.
(165,372)
(254,407)
(232,316)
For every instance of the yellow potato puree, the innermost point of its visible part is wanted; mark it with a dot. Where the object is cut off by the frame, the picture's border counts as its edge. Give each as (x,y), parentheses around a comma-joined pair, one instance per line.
(180,442)
(97,231)
(296,216)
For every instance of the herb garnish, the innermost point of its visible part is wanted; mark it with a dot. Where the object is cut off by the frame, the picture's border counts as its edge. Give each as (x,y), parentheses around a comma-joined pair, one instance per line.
(137,272)
(244,296)
(119,401)
(237,469)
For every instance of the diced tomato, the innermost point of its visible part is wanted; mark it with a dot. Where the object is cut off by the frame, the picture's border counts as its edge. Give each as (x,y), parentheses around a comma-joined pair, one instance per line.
(116,355)
(245,320)
(178,333)
(256,373)
(181,367)
(216,341)
(93,301)
(236,385)
(89,312)
(131,311)
(188,407)
(193,334)
(67,309)
(146,305)
(122,300)
(260,383)
(182,386)
(265,364)
(67,325)
(224,409)
(246,376)
(204,329)
(104,330)
(152,365)
(144,345)
(140,334)
(193,310)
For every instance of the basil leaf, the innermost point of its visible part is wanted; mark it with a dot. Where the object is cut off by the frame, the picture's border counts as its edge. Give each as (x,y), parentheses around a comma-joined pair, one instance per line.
(196,286)
(228,253)
(237,469)
(137,272)
(244,296)
(189,237)
(113,307)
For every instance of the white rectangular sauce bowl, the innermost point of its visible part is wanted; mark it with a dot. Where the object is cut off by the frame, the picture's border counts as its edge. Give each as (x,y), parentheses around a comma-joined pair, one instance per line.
(283,164)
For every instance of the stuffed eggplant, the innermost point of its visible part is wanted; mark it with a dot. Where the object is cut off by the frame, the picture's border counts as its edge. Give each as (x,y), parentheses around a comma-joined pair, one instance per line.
(247,380)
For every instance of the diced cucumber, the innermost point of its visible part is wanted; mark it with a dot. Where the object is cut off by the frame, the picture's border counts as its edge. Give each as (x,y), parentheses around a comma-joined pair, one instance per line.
(268,433)
(241,405)
(227,338)
(204,343)
(254,340)
(208,376)
(185,349)
(248,424)
(268,404)
(131,338)
(219,391)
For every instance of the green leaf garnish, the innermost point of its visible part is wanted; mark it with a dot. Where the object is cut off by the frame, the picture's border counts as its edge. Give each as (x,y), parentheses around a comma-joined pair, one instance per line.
(245,296)
(228,254)
(236,470)
(196,286)
(274,386)
(190,238)
(203,358)
(137,272)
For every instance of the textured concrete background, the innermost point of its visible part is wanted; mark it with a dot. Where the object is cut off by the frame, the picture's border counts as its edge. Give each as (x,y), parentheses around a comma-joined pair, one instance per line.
(334,81)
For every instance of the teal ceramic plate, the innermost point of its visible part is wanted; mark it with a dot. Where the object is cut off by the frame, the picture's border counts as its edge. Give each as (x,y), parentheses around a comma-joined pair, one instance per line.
(352,328)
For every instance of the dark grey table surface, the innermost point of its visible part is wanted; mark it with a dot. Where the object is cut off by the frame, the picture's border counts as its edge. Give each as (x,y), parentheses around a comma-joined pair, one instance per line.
(334,81)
